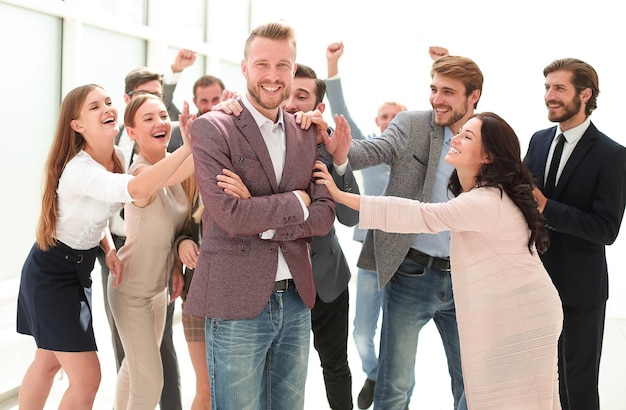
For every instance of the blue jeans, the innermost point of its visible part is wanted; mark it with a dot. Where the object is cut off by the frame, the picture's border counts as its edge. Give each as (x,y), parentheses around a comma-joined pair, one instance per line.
(366,312)
(261,363)
(413,296)
(368,306)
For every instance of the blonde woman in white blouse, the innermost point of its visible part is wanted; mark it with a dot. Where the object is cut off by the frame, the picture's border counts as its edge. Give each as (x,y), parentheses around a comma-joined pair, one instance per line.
(85,184)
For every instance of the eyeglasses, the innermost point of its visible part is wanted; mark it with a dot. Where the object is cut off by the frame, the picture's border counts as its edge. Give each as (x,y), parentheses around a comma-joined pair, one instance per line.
(140,92)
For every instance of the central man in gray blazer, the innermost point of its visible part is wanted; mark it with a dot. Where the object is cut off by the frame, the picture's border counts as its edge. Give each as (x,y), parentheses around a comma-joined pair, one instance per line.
(331,273)
(253,280)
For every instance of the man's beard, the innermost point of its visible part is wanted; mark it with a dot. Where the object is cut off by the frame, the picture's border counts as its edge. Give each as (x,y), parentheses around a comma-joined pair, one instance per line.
(256,96)
(455,116)
(571,110)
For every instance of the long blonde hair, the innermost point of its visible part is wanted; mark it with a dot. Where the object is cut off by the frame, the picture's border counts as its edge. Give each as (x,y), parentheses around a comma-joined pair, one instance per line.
(65,145)
(190,187)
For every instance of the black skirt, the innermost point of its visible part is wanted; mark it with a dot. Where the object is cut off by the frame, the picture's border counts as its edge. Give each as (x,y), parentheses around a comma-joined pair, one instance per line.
(54,301)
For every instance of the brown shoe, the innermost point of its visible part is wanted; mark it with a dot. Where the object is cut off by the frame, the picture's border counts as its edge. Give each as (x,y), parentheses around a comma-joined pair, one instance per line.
(366,396)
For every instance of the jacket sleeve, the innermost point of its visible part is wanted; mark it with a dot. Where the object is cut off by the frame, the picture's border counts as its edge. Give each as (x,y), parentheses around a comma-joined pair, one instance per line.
(334,94)
(477,210)
(168,100)
(320,220)
(346,216)
(347,183)
(600,223)
(211,149)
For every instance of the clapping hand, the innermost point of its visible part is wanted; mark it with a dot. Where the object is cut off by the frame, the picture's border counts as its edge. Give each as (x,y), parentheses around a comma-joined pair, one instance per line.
(185,120)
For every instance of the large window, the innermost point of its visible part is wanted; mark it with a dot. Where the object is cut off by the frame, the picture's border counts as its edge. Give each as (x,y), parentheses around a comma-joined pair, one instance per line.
(106,58)
(91,41)
(49,47)
(134,11)
(30,80)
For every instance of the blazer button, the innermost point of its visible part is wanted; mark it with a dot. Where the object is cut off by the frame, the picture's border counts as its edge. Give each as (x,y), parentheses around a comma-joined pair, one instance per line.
(283,248)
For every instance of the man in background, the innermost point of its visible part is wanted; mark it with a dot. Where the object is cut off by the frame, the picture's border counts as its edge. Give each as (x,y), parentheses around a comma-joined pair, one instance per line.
(331,272)
(581,191)
(374,179)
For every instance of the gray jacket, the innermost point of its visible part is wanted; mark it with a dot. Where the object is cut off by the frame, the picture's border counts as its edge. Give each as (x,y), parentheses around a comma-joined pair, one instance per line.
(411,146)
(374,178)
(331,272)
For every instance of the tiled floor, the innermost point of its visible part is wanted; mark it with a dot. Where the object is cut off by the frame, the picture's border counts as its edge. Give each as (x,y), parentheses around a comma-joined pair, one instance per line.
(432,390)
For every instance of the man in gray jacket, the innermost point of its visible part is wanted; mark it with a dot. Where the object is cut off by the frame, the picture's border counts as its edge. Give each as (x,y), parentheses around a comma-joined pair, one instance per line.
(331,273)
(414,270)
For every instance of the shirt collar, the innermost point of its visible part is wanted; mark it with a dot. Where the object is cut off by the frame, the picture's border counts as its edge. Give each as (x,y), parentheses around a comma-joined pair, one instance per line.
(447,135)
(260,119)
(576,133)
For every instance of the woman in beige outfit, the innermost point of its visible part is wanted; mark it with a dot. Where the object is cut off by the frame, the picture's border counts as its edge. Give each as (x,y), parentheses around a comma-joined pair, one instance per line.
(140,301)
(508,311)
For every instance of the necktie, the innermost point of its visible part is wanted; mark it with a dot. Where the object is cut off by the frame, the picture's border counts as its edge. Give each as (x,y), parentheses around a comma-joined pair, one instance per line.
(554,166)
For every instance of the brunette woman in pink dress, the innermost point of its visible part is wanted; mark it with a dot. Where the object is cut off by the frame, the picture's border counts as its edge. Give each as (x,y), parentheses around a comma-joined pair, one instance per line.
(508,311)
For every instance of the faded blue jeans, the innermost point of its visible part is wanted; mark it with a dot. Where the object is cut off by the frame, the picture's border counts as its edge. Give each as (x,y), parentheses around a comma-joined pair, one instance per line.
(366,312)
(369,302)
(261,363)
(413,296)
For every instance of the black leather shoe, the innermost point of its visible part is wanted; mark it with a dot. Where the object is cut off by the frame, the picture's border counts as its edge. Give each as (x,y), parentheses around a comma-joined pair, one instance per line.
(366,396)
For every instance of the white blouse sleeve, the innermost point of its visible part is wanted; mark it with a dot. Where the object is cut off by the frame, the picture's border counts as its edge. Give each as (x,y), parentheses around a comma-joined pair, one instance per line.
(477,210)
(86,177)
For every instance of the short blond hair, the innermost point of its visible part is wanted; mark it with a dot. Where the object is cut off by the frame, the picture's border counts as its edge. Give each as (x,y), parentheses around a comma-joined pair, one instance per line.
(273,31)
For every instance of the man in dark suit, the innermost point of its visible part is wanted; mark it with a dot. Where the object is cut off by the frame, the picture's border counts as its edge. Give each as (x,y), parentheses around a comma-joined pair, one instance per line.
(331,273)
(582,201)
(253,280)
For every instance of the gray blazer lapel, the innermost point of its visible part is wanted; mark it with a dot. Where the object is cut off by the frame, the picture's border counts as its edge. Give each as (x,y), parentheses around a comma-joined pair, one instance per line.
(436,135)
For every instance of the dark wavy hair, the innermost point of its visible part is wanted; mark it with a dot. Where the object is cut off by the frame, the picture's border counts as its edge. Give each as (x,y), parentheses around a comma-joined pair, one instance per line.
(506,172)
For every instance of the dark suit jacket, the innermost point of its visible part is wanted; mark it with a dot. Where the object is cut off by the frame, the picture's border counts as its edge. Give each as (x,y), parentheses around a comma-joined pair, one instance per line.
(168,100)
(584,213)
(176,139)
(236,270)
(331,271)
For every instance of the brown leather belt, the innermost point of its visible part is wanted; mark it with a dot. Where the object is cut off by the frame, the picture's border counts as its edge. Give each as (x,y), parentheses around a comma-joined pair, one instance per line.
(430,262)
(283,285)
